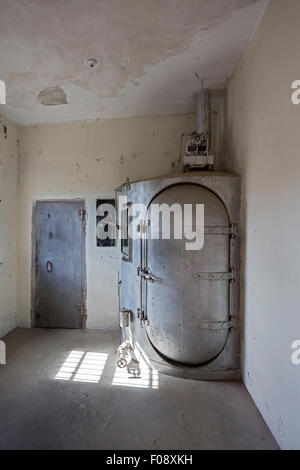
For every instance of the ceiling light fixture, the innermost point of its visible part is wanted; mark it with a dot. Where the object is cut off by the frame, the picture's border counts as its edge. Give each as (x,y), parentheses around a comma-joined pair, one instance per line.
(91,63)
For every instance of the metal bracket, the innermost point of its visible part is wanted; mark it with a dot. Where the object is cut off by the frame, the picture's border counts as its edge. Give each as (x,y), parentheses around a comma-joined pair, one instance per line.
(82,310)
(143,227)
(142,318)
(225,325)
(125,315)
(83,214)
(230,276)
(127,183)
(233,230)
(83,314)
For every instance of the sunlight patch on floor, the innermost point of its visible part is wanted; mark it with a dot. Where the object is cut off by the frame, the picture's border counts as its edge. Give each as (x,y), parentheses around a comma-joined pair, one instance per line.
(82,366)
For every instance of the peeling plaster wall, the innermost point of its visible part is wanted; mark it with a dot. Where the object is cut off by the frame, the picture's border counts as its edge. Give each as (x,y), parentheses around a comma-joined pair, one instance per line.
(264,143)
(9,155)
(89,160)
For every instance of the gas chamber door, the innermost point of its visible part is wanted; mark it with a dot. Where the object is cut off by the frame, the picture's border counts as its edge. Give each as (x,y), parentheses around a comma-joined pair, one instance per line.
(186,292)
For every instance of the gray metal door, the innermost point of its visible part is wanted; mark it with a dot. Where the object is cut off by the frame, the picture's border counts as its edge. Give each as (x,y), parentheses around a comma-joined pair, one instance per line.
(60,264)
(188,307)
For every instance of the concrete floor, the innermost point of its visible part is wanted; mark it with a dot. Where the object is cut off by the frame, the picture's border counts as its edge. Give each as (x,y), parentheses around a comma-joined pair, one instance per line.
(45,406)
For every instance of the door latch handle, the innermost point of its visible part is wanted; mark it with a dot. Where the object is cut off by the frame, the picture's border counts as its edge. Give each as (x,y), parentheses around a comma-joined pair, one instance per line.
(49,266)
(150,277)
(147,275)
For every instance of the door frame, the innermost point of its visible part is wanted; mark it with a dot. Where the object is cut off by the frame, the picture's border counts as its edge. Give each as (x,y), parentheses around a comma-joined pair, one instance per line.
(33,258)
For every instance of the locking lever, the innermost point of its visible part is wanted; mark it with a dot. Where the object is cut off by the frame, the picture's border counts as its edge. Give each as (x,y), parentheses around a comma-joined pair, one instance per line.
(147,275)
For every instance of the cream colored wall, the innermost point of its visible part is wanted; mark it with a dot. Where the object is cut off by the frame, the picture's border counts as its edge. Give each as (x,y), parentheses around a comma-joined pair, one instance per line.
(264,147)
(9,155)
(89,160)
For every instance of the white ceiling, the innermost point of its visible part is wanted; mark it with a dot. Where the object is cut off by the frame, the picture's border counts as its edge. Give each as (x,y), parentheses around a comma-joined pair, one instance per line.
(148,52)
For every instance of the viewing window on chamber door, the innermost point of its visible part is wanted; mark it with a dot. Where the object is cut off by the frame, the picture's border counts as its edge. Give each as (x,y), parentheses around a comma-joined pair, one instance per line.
(125,240)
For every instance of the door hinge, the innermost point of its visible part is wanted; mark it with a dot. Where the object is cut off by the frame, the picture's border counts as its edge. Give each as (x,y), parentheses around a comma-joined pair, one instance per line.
(232,276)
(218,325)
(83,214)
(233,230)
(81,308)
(83,315)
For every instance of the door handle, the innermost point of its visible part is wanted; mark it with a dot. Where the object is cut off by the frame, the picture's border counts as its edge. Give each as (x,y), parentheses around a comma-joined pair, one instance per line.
(49,266)
(147,275)
(150,277)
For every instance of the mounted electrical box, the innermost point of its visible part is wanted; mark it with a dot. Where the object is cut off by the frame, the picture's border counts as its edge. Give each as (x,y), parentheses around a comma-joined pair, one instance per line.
(197,155)
(197,144)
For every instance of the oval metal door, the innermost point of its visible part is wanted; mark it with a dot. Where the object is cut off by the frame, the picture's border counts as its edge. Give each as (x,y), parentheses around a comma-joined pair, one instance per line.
(186,307)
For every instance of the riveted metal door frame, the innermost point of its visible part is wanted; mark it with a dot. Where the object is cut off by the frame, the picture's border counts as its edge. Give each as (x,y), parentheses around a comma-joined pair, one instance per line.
(33,257)
(227,187)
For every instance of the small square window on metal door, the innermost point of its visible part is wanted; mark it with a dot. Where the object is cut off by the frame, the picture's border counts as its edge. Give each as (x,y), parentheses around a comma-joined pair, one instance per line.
(106,222)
